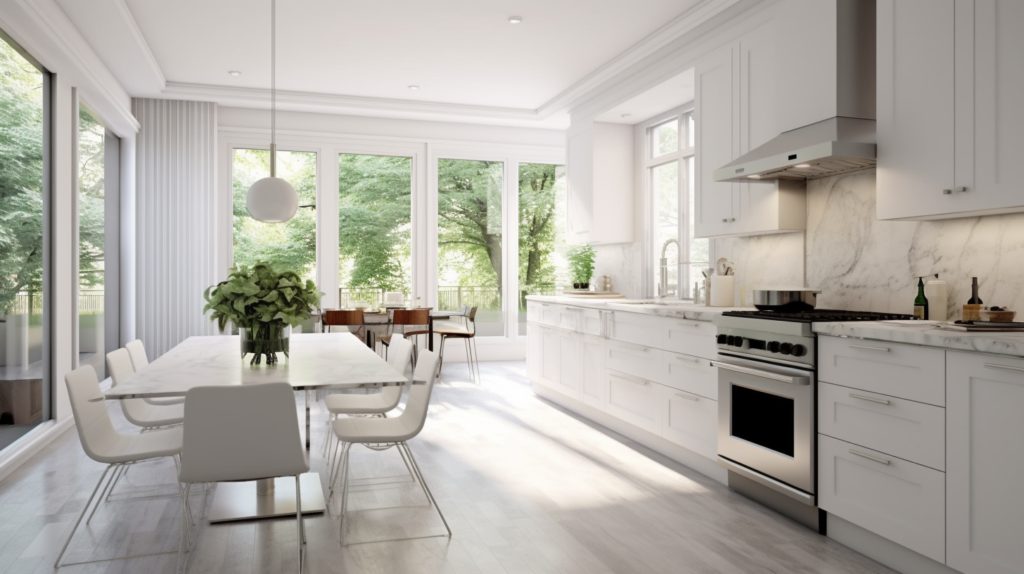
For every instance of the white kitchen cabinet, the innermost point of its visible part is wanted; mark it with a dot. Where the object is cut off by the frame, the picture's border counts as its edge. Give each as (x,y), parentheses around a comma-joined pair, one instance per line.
(636,328)
(949,83)
(716,126)
(600,190)
(637,360)
(635,400)
(595,383)
(894,498)
(985,508)
(533,349)
(690,374)
(690,421)
(570,380)
(550,360)
(689,336)
(905,371)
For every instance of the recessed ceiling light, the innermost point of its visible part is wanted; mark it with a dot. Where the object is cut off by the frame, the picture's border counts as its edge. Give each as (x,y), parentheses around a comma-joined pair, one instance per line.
(515,19)
(627,115)
(802,165)
(754,176)
(414,87)
(235,73)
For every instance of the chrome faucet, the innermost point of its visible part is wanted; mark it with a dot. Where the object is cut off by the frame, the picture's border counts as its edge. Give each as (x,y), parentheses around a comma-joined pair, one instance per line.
(663,287)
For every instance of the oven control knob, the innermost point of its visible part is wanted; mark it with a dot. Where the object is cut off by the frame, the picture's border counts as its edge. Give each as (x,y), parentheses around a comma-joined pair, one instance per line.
(799,350)
(773,346)
(786,348)
(722,339)
(737,342)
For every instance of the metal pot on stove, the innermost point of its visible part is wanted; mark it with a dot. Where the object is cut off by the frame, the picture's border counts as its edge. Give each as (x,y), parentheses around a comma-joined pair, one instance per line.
(791,300)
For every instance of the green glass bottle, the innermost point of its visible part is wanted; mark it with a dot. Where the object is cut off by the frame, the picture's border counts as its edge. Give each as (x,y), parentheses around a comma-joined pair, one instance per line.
(921,302)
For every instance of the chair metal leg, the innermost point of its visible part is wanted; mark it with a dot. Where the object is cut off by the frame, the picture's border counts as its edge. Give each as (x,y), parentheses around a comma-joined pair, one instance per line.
(426,488)
(476,359)
(103,493)
(80,515)
(300,527)
(404,448)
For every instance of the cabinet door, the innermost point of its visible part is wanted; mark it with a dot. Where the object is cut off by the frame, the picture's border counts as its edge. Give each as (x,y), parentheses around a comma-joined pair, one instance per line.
(580,190)
(550,363)
(916,87)
(569,363)
(691,374)
(595,389)
(533,351)
(637,360)
(715,119)
(691,421)
(636,328)
(690,337)
(985,463)
(635,400)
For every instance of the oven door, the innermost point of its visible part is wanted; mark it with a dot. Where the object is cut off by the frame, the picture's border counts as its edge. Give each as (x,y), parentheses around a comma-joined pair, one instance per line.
(766,424)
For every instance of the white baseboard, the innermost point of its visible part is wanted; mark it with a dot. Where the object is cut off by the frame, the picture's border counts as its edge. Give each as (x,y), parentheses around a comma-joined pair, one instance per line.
(889,553)
(684,456)
(29,445)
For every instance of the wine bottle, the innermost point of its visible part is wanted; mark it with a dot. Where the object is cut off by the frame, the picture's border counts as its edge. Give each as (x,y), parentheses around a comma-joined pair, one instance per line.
(921,302)
(975,300)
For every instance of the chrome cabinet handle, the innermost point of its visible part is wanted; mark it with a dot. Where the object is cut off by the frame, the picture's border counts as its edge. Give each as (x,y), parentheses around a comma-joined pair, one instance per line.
(878,349)
(1004,367)
(687,397)
(961,189)
(947,192)
(867,398)
(688,324)
(687,359)
(725,220)
(631,380)
(634,347)
(869,457)
(794,380)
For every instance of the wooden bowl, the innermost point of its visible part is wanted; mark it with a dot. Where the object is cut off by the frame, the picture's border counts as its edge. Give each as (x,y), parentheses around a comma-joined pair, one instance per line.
(997,316)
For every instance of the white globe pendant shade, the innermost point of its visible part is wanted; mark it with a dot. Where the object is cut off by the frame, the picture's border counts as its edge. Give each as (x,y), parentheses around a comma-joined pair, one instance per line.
(272,200)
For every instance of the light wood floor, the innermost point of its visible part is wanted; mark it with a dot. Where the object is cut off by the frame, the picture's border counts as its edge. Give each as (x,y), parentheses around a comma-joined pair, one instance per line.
(525,486)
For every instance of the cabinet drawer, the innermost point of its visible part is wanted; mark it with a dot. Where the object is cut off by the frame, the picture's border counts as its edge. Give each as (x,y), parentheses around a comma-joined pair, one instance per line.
(533,312)
(549,313)
(637,360)
(688,373)
(904,371)
(636,328)
(591,322)
(691,421)
(568,318)
(896,499)
(898,427)
(635,401)
(690,337)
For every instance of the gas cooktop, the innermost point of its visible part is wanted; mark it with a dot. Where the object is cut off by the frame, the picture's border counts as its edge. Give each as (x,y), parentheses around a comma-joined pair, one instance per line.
(819,315)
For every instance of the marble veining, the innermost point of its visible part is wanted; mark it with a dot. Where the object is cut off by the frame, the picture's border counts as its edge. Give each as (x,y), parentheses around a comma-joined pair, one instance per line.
(623,263)
(995,343)
(673,310)
(316,361)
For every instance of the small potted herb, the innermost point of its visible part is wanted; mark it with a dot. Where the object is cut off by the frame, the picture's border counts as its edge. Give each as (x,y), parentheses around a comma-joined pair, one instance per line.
(264,305)
(581,265)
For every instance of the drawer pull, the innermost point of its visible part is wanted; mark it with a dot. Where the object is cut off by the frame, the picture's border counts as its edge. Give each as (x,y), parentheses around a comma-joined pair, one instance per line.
(688,359)
(634,347)
(634,381)
(867,398)
(1004,367)
(878,349)
(869,457)
(686,324)
(687,397)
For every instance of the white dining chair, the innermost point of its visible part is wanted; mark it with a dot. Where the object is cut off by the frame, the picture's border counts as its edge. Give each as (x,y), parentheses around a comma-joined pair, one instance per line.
(102,443)
(137,352)
(138,411)
(383,433)
(225,443)
(377,404)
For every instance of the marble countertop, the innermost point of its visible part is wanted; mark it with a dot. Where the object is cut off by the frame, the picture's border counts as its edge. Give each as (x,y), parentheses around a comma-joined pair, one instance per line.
(679,310)
(316,361)
(997,343)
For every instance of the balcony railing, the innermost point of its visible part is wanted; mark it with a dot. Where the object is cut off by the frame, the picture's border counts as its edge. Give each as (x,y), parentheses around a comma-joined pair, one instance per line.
(90,302)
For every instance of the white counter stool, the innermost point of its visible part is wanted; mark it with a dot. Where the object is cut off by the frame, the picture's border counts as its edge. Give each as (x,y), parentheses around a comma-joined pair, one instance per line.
(225,443)
(102,443)
(138,411)
(384,433)
(137,352)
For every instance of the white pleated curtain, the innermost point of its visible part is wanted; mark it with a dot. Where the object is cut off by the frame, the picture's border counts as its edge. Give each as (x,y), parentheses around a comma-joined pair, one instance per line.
(176,219)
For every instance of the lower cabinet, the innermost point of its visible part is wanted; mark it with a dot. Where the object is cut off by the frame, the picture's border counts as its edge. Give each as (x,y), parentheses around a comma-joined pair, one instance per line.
(550,361)
(985,463)
(690,421)
(569,375)
(635,400)
(595,383)
(894,498)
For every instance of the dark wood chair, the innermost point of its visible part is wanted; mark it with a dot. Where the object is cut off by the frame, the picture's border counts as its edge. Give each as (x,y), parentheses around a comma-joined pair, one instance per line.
(342,318)
(414,322)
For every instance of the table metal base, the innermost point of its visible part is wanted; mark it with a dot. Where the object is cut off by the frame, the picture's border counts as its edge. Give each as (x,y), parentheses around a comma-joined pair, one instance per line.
(266,498)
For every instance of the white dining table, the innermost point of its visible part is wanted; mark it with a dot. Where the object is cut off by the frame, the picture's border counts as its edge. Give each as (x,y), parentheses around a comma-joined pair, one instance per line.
(316,361)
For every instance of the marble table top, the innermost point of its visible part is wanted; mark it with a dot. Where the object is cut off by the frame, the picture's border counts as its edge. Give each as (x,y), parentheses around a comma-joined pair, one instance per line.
(317,360)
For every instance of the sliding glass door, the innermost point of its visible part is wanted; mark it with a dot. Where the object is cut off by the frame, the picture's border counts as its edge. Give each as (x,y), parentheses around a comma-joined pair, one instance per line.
(25,383)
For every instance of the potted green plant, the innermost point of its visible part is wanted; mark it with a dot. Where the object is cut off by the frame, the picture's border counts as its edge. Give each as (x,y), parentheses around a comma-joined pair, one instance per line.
(264,305)
(581,265)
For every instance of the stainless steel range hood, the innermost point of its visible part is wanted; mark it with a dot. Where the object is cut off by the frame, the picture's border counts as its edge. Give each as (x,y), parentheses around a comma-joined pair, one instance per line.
(829,147)
(826,113)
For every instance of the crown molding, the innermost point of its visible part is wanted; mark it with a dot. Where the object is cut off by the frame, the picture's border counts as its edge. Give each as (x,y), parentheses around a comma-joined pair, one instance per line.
(141,44)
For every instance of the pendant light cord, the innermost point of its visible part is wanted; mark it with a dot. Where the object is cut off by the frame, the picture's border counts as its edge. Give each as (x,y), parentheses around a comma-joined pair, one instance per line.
(273,88)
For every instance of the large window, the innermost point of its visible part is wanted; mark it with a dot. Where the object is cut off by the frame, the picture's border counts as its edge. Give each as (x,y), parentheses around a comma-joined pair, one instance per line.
(543,268)
(677,257)
(24,374)
(287,246)
(374,227)
(469,239)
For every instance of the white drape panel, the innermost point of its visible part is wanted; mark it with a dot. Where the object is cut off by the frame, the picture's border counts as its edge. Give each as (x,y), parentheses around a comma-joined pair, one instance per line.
(177,219)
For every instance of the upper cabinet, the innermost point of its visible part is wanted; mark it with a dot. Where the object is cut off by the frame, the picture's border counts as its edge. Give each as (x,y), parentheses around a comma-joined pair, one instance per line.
(600,190)
(949,115)
(735,112)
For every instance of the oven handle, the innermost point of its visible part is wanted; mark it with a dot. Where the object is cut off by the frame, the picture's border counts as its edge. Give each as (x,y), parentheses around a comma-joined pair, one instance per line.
(793,380)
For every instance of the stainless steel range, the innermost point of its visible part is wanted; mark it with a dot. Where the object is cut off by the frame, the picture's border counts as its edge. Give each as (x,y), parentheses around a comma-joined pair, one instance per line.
(767,380)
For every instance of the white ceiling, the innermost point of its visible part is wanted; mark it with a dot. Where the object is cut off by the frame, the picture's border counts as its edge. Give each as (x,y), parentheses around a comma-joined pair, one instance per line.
(669,94)
(460,52)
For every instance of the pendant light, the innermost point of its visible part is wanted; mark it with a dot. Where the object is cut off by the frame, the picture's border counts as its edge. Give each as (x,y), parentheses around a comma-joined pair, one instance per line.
(272,199)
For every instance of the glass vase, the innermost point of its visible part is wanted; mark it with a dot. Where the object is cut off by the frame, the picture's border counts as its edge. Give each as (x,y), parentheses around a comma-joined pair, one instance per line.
(264,341)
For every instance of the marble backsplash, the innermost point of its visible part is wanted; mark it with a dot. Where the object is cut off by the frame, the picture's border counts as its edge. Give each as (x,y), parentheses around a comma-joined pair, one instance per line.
(621,261)
(861,263)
